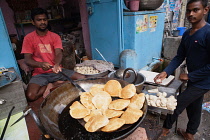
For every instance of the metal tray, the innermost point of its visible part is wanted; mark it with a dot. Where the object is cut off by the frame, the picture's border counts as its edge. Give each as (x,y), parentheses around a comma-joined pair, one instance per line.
(169,91)
(102,74)
(6,78)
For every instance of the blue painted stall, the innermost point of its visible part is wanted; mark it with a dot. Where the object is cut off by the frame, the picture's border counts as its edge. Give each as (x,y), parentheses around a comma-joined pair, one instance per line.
(143,33)
(113,30)
(7,57)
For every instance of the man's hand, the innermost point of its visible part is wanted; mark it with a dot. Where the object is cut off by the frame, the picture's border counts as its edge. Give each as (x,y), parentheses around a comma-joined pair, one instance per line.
(56,69)
(45,66)
(160,77)
(183,77)
(24,66)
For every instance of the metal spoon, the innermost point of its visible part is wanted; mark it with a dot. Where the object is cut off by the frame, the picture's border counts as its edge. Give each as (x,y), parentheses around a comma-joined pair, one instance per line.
(100,54)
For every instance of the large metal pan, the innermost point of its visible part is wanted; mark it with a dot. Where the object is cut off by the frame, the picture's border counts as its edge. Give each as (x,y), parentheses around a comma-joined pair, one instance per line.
(54,104)
(101,74)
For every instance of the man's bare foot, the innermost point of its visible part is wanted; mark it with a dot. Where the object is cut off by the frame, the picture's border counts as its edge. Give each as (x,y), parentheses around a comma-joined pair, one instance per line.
(47,90)
(164,133)
(185,135)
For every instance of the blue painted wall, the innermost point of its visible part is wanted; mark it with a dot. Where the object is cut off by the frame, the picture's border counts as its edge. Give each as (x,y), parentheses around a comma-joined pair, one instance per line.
(7,57)
(105,24)
(143,33)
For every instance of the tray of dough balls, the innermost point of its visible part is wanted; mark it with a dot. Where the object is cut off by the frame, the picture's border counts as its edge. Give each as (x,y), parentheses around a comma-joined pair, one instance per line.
(109,107)
(94,68)
(160,99)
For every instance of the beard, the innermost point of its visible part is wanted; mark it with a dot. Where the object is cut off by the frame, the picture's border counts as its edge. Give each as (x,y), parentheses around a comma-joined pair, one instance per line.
(42,30)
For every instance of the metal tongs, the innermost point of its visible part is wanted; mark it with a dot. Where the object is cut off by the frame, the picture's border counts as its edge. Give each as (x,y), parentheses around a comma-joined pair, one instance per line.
(37,121)
(6,124)
(24,114)
(72,81)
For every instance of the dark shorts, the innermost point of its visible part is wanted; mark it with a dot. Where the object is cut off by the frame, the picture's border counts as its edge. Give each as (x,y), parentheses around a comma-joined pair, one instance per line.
(44,79)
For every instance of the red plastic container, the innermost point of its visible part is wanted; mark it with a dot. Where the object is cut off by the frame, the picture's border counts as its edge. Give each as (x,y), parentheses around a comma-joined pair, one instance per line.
(134,5)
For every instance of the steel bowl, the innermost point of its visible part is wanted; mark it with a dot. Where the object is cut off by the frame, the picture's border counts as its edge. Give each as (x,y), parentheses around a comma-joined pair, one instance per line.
(138,83)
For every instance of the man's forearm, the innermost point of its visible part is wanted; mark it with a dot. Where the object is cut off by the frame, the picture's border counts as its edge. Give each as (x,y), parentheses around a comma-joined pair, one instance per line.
(58,57)
(33,63)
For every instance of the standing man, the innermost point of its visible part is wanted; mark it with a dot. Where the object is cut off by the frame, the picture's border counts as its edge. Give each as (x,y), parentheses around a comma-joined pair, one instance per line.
(195,48)
(43,51)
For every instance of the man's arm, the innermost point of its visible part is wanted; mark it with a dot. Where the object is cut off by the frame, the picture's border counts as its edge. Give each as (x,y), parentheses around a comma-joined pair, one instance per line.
(58,59)
(31,62)
(176,61)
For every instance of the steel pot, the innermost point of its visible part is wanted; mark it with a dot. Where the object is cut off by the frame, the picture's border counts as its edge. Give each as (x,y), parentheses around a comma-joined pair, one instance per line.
(122,73)
(58,101)
(150,4)
(136,78)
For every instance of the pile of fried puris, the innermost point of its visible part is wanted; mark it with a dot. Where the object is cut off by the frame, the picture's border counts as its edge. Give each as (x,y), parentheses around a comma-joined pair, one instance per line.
(102,113)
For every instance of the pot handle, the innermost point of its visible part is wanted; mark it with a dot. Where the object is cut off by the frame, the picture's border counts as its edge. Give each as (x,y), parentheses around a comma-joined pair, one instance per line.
(124,73)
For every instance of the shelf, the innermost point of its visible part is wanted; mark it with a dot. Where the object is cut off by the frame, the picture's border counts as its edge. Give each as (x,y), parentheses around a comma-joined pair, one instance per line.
(21,24)
(29,22)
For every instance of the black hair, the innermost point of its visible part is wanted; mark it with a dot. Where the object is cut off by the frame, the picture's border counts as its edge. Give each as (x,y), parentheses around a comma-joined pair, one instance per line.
(37,11)
(203,2)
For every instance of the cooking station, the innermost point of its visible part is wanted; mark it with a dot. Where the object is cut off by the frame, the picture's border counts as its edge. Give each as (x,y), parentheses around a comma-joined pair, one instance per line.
(150,122)
(60,98)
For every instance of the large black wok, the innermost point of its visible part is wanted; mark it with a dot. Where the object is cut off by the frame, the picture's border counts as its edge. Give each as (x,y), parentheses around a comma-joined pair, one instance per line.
(57,122)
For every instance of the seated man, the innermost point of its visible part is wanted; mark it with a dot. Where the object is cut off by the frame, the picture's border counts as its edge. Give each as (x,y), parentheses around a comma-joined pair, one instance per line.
(42,50)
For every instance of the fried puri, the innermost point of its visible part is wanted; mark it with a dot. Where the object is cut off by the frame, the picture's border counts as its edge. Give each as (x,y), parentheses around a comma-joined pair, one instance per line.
(96,88)
(92,113)
(102,100)
(119,104)
(137,101)
(128,91)
(96,122)
(113,87)
(114,124)
(78,111)
(110,113)
(131,115)
(86,100)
